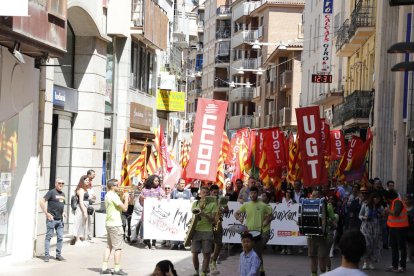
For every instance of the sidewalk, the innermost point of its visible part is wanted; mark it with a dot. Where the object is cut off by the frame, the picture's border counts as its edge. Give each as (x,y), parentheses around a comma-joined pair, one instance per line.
(87,260)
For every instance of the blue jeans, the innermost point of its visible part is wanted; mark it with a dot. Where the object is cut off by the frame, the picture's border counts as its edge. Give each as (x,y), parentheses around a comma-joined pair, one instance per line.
(51,226)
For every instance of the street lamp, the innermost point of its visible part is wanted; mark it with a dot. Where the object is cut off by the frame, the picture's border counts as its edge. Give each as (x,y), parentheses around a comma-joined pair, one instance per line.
(257,45)
(233,84)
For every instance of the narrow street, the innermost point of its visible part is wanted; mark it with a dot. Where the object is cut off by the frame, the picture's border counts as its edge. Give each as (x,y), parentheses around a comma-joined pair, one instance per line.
(86,260)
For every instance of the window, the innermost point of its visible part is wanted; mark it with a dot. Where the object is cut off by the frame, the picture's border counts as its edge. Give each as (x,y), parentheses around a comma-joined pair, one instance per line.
(57,8)
(142,64)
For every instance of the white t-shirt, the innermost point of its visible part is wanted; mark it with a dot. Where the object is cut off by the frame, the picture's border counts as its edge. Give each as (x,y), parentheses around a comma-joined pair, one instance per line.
(343,271)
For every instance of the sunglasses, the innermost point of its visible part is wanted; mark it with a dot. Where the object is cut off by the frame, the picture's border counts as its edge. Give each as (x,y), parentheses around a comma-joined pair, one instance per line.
(167,188)
(61,183)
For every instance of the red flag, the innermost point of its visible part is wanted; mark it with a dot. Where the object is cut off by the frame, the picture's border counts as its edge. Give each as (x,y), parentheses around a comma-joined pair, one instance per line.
(163,152)
(353,144)
(326,138)
(358,159)
(311,147)
(337,144)
(274,147)
(206,144)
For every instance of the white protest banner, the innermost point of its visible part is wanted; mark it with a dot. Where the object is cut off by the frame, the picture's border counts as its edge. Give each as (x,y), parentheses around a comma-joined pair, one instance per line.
(166,219)
(283,229)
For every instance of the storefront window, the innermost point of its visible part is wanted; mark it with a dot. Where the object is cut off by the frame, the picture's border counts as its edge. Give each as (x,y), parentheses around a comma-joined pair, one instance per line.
(8,161)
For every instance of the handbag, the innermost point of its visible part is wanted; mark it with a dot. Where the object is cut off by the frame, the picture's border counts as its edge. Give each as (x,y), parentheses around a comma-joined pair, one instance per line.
(90,210)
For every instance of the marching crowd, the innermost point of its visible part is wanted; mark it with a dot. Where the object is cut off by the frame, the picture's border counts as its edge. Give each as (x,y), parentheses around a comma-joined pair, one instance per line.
(378,214)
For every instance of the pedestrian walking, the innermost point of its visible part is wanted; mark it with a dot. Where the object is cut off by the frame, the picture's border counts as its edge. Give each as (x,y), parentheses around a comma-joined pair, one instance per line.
(53,204)
(114,206)
(80,228)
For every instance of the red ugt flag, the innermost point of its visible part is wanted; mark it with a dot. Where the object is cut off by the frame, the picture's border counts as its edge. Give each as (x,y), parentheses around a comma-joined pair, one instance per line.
(311,146)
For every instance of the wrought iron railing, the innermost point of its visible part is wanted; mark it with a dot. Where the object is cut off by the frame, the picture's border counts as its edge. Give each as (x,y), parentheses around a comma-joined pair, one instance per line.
(362,16)
(223,10)
(342,35)
(356,106)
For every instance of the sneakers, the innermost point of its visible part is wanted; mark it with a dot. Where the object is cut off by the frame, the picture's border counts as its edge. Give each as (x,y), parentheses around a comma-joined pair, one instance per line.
(401,269)
(283,252)
(60,258)
(365,266)
(46,259)
(288,251)
(119,272)
(106,271)
(371,266)
(392,269)
(213,268)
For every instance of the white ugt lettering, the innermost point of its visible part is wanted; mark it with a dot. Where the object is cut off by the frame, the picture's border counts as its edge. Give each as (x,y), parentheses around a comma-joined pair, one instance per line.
(306,124)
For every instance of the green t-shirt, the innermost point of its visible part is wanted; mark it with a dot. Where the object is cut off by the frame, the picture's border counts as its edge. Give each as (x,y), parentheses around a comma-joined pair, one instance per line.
(255,214)
(113,209)
(203,224)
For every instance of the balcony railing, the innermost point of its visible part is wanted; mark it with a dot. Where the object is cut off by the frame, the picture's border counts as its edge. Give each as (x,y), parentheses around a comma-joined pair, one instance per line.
(223,10)
(244,9)
(343,35)
(241,94)
(286,80)
(246,63)
(218,83)
(362,16)
(246,36)
(356,106)
(356,30)
(240,121)
(222,59)
(223,33)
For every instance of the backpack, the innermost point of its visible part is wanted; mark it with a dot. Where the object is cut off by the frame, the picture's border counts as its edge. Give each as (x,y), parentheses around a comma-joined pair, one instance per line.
(74,202)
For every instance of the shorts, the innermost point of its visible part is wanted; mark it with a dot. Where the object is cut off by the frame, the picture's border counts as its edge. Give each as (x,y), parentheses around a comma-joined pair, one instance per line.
(319,246)
(115,238)
(202,242)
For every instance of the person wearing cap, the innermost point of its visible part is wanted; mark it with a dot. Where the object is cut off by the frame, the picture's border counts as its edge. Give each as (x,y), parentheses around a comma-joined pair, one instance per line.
(249,264)
(53,205)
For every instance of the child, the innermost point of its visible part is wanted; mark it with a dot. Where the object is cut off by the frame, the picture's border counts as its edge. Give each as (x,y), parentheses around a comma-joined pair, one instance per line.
(249,261)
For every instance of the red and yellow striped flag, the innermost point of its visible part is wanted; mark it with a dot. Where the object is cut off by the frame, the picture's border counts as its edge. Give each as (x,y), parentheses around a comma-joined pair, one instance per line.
(152,164)
(295,161)
(225,145)
(220,171)
(138,167)
(185,154)
(125,167)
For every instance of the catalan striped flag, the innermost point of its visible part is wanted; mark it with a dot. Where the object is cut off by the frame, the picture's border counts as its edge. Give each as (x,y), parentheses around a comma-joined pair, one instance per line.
(295,161)
(225,145)
(11,151)
(125,167)
(138,167)
(220,171)
(152,163)
(185,154)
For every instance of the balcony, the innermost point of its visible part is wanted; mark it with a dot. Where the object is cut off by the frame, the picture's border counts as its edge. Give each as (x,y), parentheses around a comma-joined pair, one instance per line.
(242,37)
(222,61)
(240,121)
(268,120)
(356,30)
(241,94)
(223,33)
(244,9)
(355,110)
(256,92)
(333,97)
(185,26)
(286,80)
(223,12)
(200,26)
(285,117)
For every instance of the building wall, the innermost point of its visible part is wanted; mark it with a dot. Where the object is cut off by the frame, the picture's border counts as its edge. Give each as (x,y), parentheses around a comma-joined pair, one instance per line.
(19,101)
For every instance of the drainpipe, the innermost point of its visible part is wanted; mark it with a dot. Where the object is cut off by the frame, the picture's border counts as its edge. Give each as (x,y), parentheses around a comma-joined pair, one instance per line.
(114,123)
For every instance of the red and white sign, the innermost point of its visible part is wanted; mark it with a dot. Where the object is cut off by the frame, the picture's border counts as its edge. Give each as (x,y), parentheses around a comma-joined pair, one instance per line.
(207,137)
(311,147)
(326,139)
(337,145)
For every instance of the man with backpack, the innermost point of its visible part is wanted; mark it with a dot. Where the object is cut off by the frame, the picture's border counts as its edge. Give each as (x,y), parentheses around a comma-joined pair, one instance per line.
(53,204)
